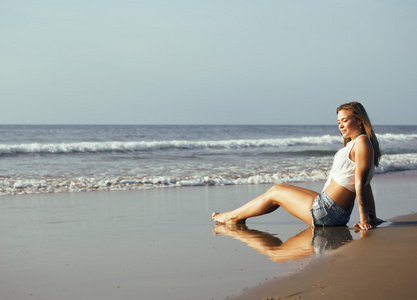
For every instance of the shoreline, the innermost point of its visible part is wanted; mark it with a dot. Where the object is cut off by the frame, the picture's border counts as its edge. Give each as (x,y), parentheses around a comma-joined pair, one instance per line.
(159,243)
(380,265)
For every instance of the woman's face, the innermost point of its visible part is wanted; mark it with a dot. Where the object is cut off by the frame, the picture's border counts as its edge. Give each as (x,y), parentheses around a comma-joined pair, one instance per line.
(349,126)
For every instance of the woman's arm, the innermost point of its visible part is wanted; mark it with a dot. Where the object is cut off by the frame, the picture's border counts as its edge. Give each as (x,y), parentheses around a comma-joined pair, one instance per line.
(372,210)
(363,154)
(371,203)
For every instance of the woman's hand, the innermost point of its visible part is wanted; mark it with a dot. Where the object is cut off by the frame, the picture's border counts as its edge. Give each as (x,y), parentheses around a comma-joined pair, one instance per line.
(363,226)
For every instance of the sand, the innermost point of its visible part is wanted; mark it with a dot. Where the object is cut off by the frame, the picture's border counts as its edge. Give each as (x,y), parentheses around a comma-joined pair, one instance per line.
(162,244)
(150,244)
(380,265)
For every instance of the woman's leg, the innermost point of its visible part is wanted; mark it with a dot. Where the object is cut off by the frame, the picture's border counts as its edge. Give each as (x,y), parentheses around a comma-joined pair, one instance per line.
(297,201)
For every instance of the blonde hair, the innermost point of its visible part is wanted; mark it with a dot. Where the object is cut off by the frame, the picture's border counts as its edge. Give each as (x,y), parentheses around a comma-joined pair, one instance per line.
(360,114)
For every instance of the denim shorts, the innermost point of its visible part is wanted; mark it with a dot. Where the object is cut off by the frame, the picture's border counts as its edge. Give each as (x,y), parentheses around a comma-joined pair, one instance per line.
(325,212)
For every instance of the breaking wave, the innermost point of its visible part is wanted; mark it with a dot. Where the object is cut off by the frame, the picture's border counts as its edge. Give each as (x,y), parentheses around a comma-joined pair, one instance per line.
(389,163)
(114,146)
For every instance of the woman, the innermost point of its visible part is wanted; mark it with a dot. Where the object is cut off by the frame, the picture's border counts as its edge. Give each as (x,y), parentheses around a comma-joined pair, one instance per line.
(349,178)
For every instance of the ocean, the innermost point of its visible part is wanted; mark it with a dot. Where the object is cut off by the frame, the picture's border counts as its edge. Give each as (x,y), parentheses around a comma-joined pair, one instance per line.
(84,158)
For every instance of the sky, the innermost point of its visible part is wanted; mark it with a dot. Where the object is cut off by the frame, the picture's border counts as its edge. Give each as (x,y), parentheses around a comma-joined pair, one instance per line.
(206,62)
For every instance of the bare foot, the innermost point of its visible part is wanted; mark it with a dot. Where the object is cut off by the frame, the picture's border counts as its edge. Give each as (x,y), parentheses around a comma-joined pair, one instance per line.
(229,229)
(225,218)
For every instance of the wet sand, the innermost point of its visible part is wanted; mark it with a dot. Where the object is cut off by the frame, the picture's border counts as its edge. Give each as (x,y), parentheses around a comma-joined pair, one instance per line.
(162,244)
(380,265)
(150,244)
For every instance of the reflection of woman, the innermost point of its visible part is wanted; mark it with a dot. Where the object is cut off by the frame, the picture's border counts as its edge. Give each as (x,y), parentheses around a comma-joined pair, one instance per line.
(304,244)
(329,238)
(349,178)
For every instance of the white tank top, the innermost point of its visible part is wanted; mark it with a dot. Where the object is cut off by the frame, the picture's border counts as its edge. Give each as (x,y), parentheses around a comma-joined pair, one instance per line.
(343,169)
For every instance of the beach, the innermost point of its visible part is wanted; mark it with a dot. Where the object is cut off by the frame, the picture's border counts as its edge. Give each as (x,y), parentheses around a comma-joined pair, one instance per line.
(162,244)
(381,265)
(129,125)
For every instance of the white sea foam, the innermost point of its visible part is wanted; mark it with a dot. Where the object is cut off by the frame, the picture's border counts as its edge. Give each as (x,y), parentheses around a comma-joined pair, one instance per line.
(391,137)
(111,146)
(389,163)
(33,186)
(397,162)
(114,146)
(39,159)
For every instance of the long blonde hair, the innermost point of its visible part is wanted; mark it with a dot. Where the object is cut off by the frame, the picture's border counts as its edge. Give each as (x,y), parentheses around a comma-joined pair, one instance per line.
(360,114)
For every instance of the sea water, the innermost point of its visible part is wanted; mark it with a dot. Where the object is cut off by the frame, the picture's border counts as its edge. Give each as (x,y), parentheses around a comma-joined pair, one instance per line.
(159,244)
(74,158)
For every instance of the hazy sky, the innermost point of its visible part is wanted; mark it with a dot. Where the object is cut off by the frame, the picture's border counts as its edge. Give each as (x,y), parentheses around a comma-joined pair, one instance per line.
(206,62)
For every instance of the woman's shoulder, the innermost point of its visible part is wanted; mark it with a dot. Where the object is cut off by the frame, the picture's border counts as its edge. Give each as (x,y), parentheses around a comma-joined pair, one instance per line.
(363,141)
(363,146)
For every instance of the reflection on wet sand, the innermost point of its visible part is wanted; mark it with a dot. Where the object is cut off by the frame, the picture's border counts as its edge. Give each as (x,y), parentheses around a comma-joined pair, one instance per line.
(308,242)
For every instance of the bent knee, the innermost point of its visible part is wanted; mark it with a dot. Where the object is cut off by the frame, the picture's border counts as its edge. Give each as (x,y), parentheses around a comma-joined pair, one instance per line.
(279,190)
(276,190)
(279,187)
